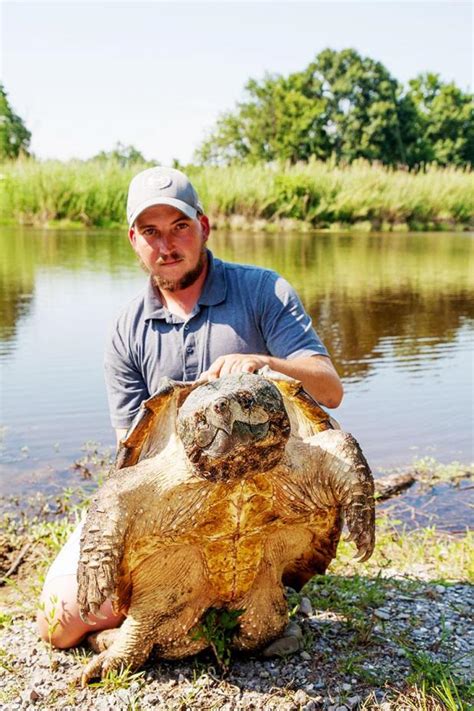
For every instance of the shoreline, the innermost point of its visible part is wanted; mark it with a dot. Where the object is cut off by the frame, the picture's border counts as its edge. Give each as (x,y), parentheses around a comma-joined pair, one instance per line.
(387,634)
(240,223)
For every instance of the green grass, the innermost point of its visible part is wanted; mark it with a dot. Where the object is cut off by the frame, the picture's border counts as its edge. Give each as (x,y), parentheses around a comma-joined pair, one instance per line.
(118,679)
(430,472)
(443,557)
(302,196)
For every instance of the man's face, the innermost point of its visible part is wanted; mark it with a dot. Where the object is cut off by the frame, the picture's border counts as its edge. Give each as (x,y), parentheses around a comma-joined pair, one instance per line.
(170,245)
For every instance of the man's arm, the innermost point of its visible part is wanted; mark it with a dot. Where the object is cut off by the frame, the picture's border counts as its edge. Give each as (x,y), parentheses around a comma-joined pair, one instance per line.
(316,373)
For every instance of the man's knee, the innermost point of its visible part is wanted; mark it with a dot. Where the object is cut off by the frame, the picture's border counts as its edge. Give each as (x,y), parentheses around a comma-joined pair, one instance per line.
(58,619)
(58,613)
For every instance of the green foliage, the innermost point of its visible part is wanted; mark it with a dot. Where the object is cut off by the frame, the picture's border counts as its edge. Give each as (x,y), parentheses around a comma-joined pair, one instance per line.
(218,628)
(347,107)
(6,661)
(123,155)
(311,195)
(445,117)
(14,136)
(437,678)
(118,679)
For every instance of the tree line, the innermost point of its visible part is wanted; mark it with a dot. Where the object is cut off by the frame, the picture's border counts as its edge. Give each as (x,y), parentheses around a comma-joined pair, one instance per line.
(342,107)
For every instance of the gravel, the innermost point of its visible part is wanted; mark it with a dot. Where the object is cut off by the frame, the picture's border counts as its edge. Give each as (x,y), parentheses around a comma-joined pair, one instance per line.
(333,669)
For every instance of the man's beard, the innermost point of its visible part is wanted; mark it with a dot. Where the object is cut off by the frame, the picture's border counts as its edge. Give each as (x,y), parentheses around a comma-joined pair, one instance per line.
(187,279)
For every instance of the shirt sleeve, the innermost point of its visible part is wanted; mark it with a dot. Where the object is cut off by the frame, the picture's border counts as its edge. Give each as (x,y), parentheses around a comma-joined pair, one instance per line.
(124,383)
(285,325)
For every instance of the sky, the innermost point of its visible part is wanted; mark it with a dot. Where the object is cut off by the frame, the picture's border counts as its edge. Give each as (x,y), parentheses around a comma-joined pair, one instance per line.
(156,75)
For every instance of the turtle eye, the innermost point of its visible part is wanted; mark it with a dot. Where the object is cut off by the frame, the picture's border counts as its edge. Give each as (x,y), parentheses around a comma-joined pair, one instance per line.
(246,403)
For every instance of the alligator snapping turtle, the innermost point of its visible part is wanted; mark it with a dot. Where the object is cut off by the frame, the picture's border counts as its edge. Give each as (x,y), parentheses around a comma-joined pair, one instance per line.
(232,489)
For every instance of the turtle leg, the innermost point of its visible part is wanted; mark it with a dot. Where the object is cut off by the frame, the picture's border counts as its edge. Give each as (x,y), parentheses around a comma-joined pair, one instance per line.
(328,470)
(130,649)
(116,507)
(100,641)
(265,615)
(168,598)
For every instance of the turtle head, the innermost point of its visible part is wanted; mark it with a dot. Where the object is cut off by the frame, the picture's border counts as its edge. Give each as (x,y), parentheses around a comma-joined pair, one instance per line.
(233,425)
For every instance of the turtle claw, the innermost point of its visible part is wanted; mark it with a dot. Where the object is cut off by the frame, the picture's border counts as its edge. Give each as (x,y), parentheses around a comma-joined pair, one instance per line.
(99,666)
(360,519)
(91,608)
(85,617)
(95,610)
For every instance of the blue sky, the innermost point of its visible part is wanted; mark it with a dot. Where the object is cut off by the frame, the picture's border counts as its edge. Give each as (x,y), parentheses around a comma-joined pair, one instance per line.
(156,75)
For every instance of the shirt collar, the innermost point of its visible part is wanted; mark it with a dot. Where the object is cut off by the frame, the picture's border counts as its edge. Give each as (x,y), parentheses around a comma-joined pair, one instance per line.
(214,291)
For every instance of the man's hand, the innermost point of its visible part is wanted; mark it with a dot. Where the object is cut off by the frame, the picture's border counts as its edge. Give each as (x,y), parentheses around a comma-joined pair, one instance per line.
(316,373)
(234,363)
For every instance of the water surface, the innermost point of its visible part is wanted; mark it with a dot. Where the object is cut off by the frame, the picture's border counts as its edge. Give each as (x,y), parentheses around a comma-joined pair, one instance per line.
(395,311)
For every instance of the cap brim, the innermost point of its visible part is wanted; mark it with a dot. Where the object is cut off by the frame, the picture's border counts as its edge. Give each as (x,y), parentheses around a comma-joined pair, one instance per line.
(183,207)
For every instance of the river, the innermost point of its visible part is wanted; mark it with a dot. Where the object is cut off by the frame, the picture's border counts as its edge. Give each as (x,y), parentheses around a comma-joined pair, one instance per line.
(396,312)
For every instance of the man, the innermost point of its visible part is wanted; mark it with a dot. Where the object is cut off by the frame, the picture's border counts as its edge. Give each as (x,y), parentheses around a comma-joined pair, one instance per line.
(198,318)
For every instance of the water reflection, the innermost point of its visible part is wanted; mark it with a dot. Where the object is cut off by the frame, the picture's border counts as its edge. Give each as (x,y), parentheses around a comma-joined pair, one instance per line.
(394,310)
(361,290)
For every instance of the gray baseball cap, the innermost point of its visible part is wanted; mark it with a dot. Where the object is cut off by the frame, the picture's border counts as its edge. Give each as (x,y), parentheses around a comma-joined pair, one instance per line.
(162,186)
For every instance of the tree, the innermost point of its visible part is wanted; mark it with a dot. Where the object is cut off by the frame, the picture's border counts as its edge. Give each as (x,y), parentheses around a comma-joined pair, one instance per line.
(340,104)
(446,120)
(347,106)
(14,136)
(124,155)
(364,106)
(281,119)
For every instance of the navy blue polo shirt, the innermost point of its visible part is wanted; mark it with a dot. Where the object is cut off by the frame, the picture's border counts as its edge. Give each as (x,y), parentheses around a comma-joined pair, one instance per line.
(242,309)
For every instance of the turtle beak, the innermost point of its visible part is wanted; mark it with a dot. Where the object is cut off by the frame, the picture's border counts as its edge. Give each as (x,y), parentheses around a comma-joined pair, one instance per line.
(219,414)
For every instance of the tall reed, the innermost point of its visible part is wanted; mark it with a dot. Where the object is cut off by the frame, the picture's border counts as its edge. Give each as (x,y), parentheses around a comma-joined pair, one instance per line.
(306,195)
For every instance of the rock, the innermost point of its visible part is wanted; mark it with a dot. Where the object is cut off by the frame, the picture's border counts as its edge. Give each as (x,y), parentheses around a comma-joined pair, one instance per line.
(382,614)
(293,630)
(306,656)
(310,706)
(352,701)
(43,661)
(306,608)
(346,687)
(300,697)
(440,589)
(30,695)
(282,647)
(181,679)
(123,695)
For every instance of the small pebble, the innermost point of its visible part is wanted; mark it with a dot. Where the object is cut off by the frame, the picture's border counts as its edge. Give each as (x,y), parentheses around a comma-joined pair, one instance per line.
(382,614)
(293,630)
(282,647)
(305,607)
(306,656)
(300,697)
